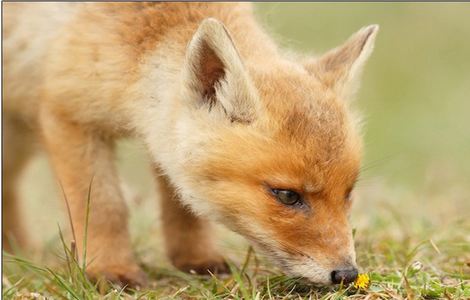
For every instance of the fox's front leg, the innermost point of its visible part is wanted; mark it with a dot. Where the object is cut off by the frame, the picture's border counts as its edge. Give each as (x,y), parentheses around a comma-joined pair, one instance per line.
(80,157)
(188,238)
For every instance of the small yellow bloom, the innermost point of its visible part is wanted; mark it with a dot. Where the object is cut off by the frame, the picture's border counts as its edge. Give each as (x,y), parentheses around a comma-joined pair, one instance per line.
(362,281)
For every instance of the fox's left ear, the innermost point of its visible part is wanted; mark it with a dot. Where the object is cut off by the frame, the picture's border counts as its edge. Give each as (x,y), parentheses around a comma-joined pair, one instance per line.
(340,68)
(215,77)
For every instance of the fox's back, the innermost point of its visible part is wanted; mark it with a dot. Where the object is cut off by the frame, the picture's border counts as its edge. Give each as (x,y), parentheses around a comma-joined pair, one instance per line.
(96,50)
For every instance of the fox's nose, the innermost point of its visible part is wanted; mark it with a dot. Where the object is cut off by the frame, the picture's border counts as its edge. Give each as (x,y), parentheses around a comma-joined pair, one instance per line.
(346,275)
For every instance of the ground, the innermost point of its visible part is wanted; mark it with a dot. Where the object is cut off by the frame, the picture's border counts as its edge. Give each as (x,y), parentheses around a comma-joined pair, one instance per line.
(412,207)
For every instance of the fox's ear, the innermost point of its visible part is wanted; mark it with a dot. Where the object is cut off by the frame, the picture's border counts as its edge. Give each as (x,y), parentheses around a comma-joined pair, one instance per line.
(214,74)
(340,68)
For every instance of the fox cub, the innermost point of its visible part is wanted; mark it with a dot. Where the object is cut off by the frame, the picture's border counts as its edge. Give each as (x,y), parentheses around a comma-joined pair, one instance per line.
(238,133)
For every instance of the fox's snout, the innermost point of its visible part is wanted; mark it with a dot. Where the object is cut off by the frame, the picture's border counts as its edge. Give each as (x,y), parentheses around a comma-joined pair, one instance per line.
(322,269)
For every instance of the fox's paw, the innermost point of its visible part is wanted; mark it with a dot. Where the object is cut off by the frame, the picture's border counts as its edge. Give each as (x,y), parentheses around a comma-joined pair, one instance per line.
(127,276)
(203,266)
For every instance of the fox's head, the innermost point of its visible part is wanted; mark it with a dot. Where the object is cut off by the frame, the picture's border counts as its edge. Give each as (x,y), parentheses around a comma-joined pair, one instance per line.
(271,151)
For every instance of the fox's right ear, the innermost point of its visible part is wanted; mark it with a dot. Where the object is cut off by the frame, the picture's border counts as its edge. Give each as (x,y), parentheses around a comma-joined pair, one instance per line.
(214,74)
(340,68)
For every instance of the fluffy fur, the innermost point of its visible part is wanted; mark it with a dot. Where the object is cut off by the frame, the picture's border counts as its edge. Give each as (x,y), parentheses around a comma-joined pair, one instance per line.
(224,116)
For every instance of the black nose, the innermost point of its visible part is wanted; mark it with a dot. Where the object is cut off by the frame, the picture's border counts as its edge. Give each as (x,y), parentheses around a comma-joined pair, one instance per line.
(344,275)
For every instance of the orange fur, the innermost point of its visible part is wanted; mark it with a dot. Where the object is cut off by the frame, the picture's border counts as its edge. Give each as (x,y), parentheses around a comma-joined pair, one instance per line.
(224,114)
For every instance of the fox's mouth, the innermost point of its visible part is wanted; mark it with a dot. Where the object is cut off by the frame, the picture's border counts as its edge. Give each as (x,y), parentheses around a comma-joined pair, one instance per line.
(298,265)
(319,268)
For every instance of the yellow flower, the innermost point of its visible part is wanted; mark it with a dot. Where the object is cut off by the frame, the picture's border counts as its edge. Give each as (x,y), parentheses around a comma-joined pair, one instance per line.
(362,281)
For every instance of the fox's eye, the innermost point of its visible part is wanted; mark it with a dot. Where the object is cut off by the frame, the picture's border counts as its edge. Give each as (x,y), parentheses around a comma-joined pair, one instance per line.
(287,197)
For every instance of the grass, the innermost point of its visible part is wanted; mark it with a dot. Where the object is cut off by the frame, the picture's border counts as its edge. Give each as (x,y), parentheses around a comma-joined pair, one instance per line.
(408,254)
(393,273)
(412,208)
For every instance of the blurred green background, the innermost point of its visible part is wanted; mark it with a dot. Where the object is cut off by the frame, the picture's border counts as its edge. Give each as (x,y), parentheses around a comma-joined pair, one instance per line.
(415,98)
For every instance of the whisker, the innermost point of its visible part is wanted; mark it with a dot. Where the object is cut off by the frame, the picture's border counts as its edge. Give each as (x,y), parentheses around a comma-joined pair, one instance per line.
(377,162)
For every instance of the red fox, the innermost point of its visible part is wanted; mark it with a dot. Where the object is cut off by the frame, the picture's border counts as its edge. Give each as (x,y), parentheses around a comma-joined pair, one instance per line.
(238,132)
